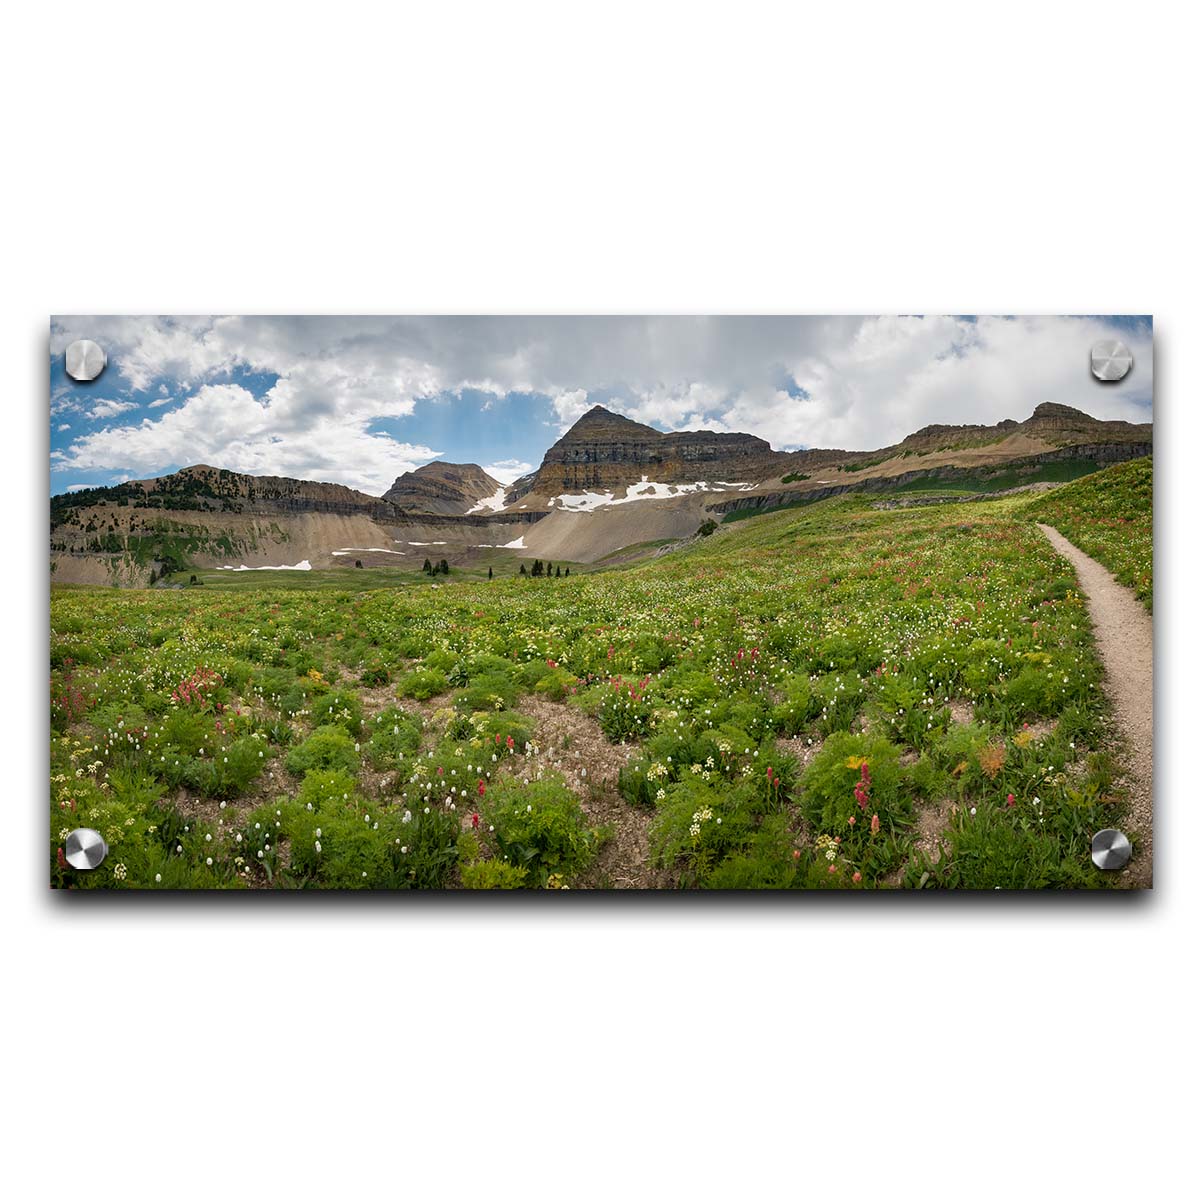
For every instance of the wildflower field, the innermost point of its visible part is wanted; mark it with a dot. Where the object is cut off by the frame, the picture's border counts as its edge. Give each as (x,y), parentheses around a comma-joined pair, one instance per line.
(831,697)
(1110,515)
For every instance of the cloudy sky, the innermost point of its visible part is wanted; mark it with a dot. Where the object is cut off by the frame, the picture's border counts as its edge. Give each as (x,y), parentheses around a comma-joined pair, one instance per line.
(360,400)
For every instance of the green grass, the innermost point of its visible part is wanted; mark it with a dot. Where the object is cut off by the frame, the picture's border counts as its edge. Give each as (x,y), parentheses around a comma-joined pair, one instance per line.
(1111,517)
(351,578)
(337,707)
(1002,481)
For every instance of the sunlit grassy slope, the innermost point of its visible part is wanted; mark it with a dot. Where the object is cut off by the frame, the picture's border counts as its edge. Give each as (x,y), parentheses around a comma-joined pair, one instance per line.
(829,697)
(1110,515)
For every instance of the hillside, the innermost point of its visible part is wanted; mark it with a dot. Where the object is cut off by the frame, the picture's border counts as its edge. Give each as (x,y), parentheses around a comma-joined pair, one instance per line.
(608,483)
(1110,515)
(603,451)
(449,489)
(839,696)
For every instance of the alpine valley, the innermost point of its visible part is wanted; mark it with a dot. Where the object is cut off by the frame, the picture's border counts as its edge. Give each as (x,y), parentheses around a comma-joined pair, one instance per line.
(609,490)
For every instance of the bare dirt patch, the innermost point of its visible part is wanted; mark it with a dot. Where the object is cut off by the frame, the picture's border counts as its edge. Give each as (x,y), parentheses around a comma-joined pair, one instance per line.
(1125,638)
(571,742)
(803,749)
(962,712)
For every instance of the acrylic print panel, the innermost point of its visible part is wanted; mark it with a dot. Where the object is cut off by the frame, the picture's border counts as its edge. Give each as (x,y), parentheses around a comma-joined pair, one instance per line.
(601,602)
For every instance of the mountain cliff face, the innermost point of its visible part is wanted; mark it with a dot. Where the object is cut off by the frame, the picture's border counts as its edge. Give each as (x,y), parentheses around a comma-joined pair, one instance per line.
(449,489)
(203,516)
(603,451)
(210,489)
(1064,426)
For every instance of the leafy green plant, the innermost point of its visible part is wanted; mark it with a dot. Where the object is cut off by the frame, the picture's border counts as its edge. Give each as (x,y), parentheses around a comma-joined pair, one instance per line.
(493,874)
(422,684)
(328,748)
(540,827)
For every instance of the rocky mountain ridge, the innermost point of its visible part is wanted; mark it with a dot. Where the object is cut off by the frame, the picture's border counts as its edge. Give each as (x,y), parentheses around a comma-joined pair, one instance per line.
(450,489)
(607,483)
(604,451)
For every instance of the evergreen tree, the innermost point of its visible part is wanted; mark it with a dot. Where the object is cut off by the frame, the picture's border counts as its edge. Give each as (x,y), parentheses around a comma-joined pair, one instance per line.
(489,572)
(523,571)
(568,572)
(537,568)
(549,570)
(358,562)
(428,567)
(558,572)
(444,567)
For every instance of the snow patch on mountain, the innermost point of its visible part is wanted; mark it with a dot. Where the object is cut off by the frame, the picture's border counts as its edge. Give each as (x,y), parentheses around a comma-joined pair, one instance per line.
(646,490)
(493,503)
(303,565)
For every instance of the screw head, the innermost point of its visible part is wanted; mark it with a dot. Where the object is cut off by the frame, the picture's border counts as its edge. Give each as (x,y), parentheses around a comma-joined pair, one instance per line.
(85,360)
(1111,361)
(85,849)
(1110,849)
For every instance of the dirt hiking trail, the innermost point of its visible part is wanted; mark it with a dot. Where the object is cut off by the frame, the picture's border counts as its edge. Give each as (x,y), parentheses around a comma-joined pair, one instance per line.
(1125,638)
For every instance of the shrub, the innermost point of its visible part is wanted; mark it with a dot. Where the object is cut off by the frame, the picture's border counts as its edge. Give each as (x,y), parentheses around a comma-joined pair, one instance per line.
(834,783)
(493,874)
(340,840)
(555,684)
(229,771)
(422,683)
(838,697)
(797,707)
(328,748)
(375,674)
(488,693)
(635,785)
(540,826)
(338,708)
(395,735)
(767,862)
(698,826)
(625,709)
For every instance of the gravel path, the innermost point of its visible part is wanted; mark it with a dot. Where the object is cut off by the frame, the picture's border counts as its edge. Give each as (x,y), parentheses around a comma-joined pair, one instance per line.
(1125,637)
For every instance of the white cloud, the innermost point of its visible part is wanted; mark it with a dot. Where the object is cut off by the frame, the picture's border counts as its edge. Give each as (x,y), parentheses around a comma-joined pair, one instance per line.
(224,425)
(79,487)
(103,409)
(63,427)
(870,381)
(508,470)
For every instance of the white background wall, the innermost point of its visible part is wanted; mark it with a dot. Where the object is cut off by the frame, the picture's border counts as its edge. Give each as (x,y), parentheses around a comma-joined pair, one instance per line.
(625,157)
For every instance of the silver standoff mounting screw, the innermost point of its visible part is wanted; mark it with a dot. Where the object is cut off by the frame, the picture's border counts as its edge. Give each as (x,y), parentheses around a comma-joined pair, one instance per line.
(85,360)
(85,849)
(1110,849)
(1111,361)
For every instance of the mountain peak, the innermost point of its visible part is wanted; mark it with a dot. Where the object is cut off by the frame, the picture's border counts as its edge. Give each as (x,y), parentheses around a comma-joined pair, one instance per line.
(1059,412)
(601,420)
(442,487)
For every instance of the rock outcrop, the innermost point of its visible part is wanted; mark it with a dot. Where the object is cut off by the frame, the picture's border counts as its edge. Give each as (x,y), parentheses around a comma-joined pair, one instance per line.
(603,451)
(448,489)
